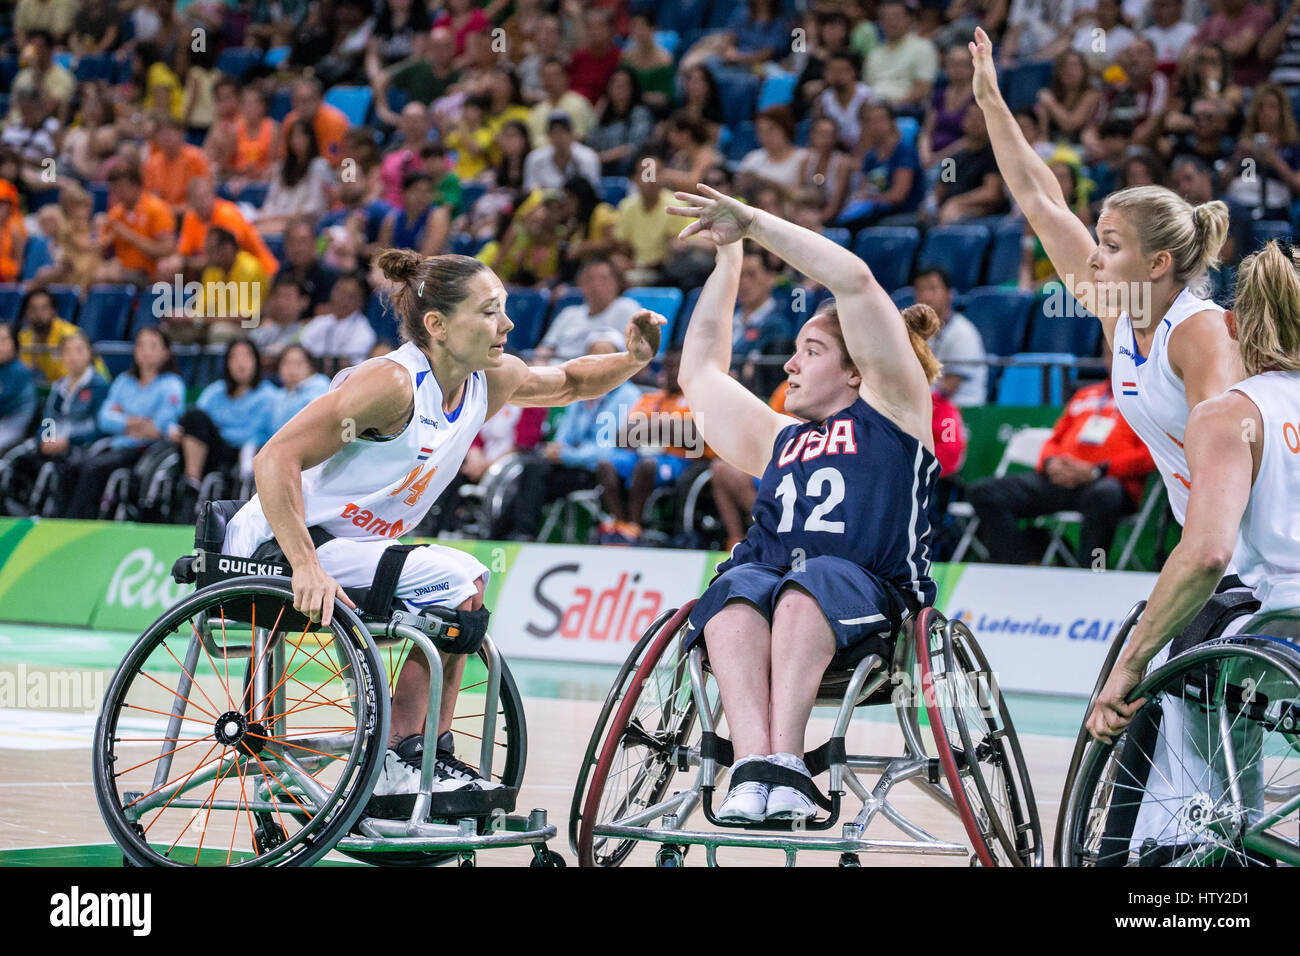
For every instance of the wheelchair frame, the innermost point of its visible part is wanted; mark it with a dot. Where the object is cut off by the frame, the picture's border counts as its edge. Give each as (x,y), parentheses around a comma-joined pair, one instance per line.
(422,838)
(1233,819)
(867,680)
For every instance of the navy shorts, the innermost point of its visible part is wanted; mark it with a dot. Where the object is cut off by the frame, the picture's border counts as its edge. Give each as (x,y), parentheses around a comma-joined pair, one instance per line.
(860,607)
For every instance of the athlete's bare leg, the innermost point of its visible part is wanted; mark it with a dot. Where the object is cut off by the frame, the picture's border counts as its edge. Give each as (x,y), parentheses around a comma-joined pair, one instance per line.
(740,654)
(411,693)
(802,648)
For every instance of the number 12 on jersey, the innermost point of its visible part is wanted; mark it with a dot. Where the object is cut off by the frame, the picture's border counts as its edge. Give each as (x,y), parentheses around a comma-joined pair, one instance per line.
(786,493)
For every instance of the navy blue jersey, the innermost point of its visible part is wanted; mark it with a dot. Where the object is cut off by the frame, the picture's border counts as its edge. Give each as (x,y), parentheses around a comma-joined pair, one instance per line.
(857,488)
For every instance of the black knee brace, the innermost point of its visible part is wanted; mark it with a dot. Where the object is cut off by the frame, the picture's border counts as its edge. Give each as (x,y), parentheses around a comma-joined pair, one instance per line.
(458,632)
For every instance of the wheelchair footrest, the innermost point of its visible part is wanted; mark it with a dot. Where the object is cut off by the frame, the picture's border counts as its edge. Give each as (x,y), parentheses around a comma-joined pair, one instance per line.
(452,805)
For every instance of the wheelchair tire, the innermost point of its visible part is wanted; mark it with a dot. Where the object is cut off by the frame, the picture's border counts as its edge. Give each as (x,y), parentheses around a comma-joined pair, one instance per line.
(661,742)
(328,799)
(1081,741)
(1017,842)
(1257,679)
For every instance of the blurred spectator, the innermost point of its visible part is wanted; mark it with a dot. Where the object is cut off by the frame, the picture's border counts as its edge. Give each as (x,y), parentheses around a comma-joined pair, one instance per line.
(1192,179)
(596,56)
(1142,96)
(1141,168)
(756,33)
(844,97)
(342,336)
(622,122)
(690,152)
(1065,108)
(529,251)
(142,403)
(522,26)
(13,234)
(1208,79)
(603,309)
(53,85)
(759,328)
(902,69)
(303,265)
(559,97)
(1169,33)
(778,160)
(300,384)
(1280,46)
(941,129)
(1238,26)
(950,437)
(957,345)
(645,234)
(826,168)
(650,63)
(1093,464)
(50,19)
(505,98)
(1036,268)
(1267,156)
(427,75)
(462,17)
(244,280)
(507,179)
(662,430)
(95,113)
(73,248)
(172,164)
(976,188)
(470,137)
(219,143)
(32,134)
(199,98)
(413,131)
(328,123)
(398,24)
(547,167)
(17,392)
(206,210)
(548,41)
(1101,50)
(1036,30)
(300,183)
(587,225)
(701,101)
(892,181)
(41,334)
(229,414)
(418,223)
(282,320)
(585,435)
(139,231)
(830,33)
(1208,138)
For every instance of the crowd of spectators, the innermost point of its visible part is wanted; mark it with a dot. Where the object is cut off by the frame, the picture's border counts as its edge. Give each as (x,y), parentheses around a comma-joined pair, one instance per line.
(277,146)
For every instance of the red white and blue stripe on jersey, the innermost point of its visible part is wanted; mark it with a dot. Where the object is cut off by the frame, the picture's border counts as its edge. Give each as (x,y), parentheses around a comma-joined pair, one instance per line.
(1129,388)
(424,453)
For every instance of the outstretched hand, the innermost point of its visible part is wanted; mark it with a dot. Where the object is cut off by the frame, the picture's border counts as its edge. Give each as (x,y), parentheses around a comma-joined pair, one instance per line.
(719,217)
(985,81)
(643,335)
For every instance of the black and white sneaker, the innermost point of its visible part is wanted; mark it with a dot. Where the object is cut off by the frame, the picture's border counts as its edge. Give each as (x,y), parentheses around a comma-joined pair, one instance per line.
(400,778)
(446,764)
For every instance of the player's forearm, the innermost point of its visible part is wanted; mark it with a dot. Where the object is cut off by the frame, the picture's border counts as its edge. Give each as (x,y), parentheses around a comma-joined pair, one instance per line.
(590,376)
(279,486)
(708,331)
(820,259)
(1187,581)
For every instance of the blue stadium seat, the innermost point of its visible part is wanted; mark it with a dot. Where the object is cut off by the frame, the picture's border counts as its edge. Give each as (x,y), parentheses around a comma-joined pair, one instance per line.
(275,243)
(1004,259)
(681,15)
(95,66)
(254,194)
(1060,324)
(1039,382)
(888,251)
(839,236)
(117,356)
(11,301)
(471,191)
(562,302)
(99,196)
(739,94)
(238,61)
(45,197)
(777,90)
(106,312)
(383,319)
(67,300)
(903,297)
(1001,315)
(527,310)
(1269,229)
(743,139)
(281,105)
(146,315)
(662,299)
(908,129)
(720,12)
(276,55)
(1020,84)
(35,255)
(684,315)
(613,189)
(670,40)
(354,101)
(8,70)
(801,131)
(461,244)
(959,250)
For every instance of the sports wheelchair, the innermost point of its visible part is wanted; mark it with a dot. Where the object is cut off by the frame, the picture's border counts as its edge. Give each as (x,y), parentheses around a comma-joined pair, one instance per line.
(1229,785)
(662,717)
(237,732)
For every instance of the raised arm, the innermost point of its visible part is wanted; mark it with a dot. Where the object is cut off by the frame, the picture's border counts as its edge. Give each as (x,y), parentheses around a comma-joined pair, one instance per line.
(717,401)
(1065,239)
(873,328)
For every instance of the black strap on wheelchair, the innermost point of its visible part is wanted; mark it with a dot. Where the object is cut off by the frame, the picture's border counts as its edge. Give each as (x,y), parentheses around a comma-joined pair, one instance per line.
(820,760)
(774,775)
(713,747)
(379,602)
(1231,600)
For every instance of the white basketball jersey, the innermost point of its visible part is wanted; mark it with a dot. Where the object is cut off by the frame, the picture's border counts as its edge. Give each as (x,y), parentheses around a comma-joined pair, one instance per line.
(1268,541)
(1152,398)
(380,487)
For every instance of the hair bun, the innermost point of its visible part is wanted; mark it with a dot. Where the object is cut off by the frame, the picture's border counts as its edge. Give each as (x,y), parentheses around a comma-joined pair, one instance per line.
(399,265)
(921,319)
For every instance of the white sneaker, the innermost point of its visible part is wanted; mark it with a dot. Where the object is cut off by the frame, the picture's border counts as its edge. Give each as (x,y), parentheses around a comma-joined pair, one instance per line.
(399,778)
(746,802)
(787,803)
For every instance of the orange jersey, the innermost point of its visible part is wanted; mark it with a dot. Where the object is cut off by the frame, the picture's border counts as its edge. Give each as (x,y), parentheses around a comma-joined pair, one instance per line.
(253,149)
(662,403)
(330,126)
(151,217)
(169,179)
(226,215)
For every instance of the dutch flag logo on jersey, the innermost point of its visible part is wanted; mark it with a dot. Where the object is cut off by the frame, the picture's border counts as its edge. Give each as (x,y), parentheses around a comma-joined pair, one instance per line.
(1130,388)
(424,454)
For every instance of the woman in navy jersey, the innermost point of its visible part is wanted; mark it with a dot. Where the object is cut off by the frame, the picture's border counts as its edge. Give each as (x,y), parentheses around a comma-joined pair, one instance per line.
(839,549)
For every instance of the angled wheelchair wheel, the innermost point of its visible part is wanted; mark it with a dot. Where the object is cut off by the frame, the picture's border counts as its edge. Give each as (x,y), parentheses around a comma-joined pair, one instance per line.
(236,733)
(1208,772)
(650,714)
(977,745)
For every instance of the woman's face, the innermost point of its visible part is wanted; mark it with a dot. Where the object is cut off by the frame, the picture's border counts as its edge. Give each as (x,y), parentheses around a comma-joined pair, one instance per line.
(820,385)
(510,140)
(418,196)
(75,355)
(475,334)
(293,368)
(958,65)
(227,101)
(1118,257)
(150,353)
(678,139)
(1065,179)
(697,87)
(1072,72)
(300,140)
(1137,173)
(821,136)
(242,364)
(620,89)
(1268,119)
(252,106)
(770,135)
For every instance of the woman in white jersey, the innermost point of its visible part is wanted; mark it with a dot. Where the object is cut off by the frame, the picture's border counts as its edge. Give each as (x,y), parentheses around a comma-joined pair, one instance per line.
(1244,451)
(362,464)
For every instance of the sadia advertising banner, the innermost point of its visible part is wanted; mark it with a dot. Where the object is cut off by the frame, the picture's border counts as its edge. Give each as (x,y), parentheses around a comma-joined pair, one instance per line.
(1045,629)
